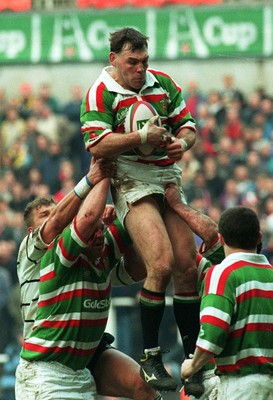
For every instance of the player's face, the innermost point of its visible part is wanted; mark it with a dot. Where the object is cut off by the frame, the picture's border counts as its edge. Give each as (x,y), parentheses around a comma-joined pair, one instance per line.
(40,214)
(130,68)
(97,241)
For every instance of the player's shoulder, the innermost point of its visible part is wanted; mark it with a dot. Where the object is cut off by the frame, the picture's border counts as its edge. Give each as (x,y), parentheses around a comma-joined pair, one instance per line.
(158,73)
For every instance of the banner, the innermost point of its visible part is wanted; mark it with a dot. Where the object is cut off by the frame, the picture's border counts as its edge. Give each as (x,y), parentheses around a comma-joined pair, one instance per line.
(174,33)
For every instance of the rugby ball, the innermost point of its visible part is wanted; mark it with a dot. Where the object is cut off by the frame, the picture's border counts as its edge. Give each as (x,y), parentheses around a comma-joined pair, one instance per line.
(138,114)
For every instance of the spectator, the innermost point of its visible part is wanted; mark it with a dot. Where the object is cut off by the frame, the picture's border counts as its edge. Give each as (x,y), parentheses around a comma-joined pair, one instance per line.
(230,196)
(13,127)
(216,107)
(230,93)
(50,166)
(193,97)
(233,126)
(25,100)
(214,181)
(45,96)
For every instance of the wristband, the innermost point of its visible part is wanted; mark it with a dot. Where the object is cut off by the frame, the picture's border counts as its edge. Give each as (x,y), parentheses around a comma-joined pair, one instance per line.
(82,188)
(184,144)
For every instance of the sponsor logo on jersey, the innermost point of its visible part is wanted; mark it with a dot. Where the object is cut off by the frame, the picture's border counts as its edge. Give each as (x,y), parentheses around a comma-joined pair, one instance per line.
(96,304)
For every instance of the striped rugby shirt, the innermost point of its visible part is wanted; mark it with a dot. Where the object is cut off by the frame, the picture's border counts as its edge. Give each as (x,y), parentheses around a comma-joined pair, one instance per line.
(106,104)
(237,314)
(74,299)
(30,253)
(206,257)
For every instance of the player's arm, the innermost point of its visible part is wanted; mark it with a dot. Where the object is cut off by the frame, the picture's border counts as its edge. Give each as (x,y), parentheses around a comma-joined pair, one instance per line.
(68,207)
(114,144)
(192,365)
(90,213)
(201,224)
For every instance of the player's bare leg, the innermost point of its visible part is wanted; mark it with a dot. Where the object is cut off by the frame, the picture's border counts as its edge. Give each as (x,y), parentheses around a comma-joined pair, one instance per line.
(117,375)
(186,300)
(151,240)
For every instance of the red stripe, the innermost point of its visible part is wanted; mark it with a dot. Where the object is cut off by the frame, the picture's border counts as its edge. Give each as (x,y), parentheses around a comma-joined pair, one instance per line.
(98,139)
(209,319)
(255,293)
(57,349)
(180,116)
(243,363)
(152,297)
(252,327)
(154,72)
(92,128)
(75,293)
(87,100)
(74,323)
(198,259)
(160,163)
(99,97)
(227,271)
(154,98)
(115,233)
(64,252)
(126,103)
(77,232)
(48,276)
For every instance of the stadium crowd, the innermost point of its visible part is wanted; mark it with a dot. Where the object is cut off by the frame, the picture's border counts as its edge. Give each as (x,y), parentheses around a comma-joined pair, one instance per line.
(42,152)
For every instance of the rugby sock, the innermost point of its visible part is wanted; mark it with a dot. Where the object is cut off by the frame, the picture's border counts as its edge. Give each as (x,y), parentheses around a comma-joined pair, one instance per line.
(186,308)
(159,397)
(152,305)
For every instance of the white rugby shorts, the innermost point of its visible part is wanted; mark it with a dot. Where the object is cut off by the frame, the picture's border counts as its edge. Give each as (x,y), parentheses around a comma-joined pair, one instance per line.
(39,380)
(135,180)
(252,386)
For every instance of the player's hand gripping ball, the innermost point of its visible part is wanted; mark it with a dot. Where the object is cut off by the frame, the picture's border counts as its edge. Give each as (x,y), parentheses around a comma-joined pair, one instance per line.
(137,116)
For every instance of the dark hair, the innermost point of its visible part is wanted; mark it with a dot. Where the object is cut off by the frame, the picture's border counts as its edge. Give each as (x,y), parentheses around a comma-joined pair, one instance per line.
(35,205)
(240,228)
(135,39)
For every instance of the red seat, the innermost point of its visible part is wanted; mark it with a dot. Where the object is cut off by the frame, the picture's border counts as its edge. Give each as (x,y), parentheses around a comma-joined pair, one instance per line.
(147,3)
(102,3)
(15,5)
(194,2)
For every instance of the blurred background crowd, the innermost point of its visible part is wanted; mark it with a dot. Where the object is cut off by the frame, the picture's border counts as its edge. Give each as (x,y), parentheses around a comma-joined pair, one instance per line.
(42,152)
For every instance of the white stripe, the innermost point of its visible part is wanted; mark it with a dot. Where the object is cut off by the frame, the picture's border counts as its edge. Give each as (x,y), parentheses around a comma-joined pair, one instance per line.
(205,344)
(253,319)
(240,355)
(62,343)
(76,237)
(64,261)
(202,267)
(95,124)
(229,261)
(178,109)
(215,312)
(250,285)
(74,286)
(74,316)
(47,270)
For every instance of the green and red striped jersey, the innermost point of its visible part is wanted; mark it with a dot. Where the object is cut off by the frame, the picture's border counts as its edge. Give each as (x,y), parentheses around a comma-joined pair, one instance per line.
(74,299)
(106,104)
(237,314)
